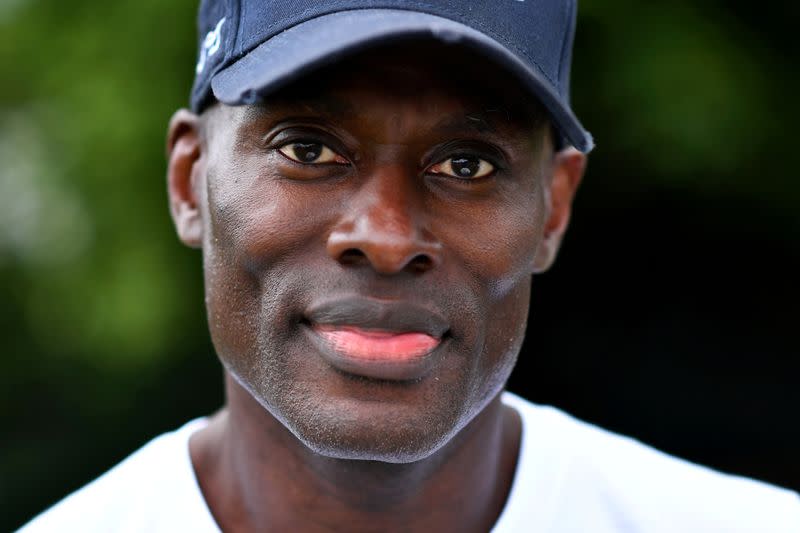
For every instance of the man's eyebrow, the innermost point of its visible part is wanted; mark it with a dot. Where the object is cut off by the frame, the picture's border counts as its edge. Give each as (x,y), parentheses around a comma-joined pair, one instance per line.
(327,105)
(486,121)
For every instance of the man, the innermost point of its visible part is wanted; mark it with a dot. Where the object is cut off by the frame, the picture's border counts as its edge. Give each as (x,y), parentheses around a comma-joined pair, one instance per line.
(372,186)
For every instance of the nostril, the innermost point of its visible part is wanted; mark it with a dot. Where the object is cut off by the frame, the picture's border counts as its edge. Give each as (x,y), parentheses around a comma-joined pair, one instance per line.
(352,256)
(420,263)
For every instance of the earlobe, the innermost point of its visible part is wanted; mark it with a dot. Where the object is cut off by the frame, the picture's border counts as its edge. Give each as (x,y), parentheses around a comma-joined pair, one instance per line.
(568,169)
(184,152)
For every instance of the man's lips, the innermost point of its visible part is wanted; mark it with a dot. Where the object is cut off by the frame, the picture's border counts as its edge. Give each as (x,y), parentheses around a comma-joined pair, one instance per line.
(377,345)
(389,340)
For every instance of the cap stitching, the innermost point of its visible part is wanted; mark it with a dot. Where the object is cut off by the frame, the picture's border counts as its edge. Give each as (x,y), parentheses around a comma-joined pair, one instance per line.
(567,18)
(237,50)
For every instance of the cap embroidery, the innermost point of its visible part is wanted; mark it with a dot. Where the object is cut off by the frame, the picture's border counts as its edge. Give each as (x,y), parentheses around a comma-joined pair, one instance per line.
(210,45)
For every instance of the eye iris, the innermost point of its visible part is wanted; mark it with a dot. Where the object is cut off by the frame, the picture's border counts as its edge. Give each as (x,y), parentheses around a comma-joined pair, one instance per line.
(307,152)
(465,166)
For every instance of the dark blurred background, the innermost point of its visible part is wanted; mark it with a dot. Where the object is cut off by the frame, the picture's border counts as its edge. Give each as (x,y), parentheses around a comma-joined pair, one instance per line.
(670,316)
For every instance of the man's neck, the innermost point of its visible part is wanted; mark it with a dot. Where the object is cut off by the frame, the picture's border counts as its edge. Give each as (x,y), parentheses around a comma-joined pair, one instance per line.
(257,476)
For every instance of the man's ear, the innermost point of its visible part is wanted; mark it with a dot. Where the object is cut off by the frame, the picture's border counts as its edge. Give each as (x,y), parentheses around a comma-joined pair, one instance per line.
(568,168)
(183,153)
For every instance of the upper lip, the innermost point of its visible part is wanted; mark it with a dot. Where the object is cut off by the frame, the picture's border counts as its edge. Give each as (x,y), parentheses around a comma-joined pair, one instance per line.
(367,313)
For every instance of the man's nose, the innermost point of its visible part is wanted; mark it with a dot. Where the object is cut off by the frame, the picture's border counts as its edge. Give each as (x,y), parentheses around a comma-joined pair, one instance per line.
(385,227)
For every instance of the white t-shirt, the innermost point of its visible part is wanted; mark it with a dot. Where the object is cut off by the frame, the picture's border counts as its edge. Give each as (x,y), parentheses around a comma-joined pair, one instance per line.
(571,477)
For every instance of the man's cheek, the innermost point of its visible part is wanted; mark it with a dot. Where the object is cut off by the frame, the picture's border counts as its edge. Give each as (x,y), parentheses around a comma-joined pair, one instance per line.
(248,230)
(506,260)
(232,304)
(508,320)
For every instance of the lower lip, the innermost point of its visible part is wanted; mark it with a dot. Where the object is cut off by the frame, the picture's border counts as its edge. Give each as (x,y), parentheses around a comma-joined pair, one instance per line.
(378,354)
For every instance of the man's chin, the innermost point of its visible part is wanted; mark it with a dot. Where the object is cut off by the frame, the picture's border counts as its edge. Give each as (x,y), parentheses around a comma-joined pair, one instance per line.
(391,442)
(344,416)
(354,429)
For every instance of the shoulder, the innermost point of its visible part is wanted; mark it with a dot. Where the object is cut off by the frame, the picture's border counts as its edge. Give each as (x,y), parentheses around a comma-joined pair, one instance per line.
(609,478)
(142,493)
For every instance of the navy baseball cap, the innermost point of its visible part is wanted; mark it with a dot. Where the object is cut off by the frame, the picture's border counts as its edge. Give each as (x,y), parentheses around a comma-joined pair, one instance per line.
(249,48)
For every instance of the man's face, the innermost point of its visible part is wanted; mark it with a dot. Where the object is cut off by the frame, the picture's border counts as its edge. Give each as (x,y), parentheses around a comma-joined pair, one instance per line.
(369,236)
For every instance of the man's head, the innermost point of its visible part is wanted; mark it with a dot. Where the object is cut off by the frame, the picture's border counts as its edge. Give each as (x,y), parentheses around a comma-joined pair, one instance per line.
(369,232)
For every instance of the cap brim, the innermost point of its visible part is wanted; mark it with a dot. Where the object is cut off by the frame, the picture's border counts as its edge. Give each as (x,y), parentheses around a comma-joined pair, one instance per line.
(320,41)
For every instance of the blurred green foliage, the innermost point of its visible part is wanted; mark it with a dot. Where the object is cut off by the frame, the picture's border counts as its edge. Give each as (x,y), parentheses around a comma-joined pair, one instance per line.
(101,310)
(89,90)
(701,97)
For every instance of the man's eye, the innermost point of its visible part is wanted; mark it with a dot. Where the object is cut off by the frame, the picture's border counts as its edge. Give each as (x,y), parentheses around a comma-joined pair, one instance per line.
(312,153)
(463,167)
